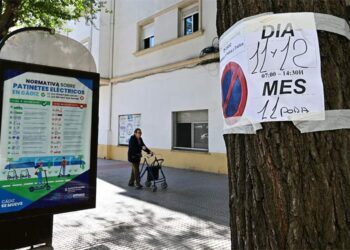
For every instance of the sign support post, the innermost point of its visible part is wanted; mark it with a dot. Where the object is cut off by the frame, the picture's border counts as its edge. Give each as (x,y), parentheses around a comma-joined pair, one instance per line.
(23,232)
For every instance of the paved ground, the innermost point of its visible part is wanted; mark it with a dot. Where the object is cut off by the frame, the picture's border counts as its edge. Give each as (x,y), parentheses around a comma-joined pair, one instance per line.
(191,214)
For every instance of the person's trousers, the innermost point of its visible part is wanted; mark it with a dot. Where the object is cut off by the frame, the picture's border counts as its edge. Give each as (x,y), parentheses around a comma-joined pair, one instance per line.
(135,174)
(40,178)
(63,171)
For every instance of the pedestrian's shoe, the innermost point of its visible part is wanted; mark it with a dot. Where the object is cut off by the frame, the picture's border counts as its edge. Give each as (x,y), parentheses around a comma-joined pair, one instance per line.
(130,184)
(139,186)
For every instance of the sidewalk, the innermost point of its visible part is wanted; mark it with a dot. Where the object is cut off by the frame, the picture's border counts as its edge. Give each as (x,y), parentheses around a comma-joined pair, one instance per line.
(191,214)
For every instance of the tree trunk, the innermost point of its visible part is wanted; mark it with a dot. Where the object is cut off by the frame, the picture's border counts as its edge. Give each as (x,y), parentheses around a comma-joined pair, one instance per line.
(290,190)
(8,16)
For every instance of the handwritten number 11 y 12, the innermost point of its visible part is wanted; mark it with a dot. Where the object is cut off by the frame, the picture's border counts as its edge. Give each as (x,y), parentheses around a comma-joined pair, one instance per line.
(299,44)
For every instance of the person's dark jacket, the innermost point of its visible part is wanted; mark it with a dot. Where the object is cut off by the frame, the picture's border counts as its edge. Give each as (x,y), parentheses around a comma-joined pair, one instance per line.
(135,149)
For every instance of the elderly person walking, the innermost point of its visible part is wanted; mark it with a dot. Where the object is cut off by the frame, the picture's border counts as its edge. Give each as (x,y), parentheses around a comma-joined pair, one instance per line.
(136,145)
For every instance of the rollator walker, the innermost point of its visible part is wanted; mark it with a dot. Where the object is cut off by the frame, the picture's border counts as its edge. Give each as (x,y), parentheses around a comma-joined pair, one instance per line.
(155,174)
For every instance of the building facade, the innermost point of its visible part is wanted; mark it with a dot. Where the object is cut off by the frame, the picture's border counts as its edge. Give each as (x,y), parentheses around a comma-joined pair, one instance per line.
(156,76)
(161,82)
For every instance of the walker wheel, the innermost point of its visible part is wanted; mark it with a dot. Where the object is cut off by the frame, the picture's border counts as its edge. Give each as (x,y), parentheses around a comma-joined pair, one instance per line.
(31,189)
(154,189)
(164,185)
(48,187)
(147,184)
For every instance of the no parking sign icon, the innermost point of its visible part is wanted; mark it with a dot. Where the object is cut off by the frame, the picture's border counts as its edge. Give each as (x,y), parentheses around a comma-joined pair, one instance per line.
(234,90)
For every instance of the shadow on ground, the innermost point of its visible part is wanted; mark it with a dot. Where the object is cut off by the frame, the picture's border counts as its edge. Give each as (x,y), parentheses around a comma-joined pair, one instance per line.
(198,194)
(123,222)
(138,236)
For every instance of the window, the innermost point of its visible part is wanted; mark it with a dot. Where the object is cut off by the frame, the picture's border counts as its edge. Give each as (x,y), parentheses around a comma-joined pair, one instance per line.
(127,125)
(190,130)
(190,20)
(147,36)
(176,24)
(191,24)
(148,42)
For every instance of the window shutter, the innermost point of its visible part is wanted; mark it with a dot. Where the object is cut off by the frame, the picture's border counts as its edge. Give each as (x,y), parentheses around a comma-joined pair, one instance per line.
(148,30)
(189,11)
(192,116)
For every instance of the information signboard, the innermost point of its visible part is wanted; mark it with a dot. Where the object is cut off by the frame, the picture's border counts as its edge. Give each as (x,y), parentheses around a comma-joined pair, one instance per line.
(127,125)
(48,139)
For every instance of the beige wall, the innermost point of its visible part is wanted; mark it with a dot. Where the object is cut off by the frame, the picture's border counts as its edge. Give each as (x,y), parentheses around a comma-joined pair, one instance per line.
(198,161)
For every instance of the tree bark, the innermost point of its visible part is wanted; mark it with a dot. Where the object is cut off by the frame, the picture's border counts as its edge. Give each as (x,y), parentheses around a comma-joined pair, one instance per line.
(9,17)
(290,190)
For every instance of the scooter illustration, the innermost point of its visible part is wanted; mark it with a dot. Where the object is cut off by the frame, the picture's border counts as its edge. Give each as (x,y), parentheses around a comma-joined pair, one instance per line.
(24,174)
(12,174)
(40,185)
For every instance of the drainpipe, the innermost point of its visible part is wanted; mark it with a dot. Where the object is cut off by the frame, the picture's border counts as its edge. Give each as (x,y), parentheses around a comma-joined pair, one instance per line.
(91,38)
(111,63)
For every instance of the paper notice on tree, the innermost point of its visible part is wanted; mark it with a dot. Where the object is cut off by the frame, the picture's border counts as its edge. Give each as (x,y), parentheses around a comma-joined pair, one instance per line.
(270,70)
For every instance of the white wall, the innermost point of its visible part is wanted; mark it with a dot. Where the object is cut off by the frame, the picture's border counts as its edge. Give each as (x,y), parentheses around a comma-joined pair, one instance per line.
(157,96)
(99,36)
(105,40)
(128,13)
(84,31)
(104,115)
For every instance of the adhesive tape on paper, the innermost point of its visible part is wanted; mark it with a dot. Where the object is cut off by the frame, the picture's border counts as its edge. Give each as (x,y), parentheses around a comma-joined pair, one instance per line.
(334,120)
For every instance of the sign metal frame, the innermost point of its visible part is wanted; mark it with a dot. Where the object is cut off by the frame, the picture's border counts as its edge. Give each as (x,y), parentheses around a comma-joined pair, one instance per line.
(35,68)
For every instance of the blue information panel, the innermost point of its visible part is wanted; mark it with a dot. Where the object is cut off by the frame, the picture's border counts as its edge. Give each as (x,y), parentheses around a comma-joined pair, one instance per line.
(48,139)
